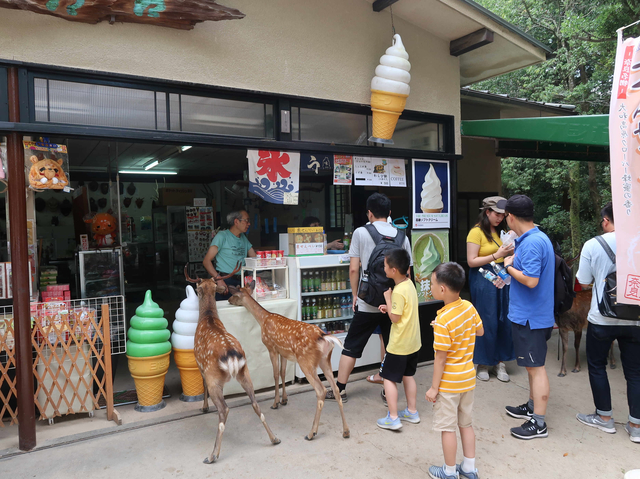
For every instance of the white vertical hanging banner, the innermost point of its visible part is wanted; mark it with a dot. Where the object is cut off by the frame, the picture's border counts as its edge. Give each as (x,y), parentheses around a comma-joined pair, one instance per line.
(624,141)
(274,176)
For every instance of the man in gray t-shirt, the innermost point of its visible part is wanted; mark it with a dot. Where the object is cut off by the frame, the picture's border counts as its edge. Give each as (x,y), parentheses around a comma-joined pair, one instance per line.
(602,331)
(366,317)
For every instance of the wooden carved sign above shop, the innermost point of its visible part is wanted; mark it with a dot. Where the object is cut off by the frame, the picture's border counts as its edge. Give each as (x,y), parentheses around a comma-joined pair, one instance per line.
(183,14)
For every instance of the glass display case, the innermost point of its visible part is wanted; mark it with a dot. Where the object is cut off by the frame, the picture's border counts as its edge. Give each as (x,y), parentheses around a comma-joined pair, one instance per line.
(323,286)
(272,280)
(100,272)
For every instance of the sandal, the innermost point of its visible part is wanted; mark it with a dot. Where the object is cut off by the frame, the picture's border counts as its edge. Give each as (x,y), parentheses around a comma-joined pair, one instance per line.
(374,381)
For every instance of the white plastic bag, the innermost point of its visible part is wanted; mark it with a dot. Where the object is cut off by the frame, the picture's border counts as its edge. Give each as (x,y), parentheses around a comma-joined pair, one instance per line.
(508,237)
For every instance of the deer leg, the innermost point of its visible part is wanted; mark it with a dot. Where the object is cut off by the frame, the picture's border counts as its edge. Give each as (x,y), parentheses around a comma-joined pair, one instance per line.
(218,399)
(283,372)
(564,334)
(312,376)
(273,355)
(205,404)
(325,364)
(612,358)
(577,337)
(244,379)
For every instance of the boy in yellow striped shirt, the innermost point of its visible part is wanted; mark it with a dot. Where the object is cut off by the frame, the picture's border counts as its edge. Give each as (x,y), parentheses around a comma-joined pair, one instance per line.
(454,377)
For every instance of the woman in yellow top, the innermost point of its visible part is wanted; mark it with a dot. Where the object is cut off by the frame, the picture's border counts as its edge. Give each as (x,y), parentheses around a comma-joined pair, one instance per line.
(483,247)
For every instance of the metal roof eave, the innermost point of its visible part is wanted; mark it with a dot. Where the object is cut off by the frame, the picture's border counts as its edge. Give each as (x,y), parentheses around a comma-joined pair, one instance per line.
(581,130)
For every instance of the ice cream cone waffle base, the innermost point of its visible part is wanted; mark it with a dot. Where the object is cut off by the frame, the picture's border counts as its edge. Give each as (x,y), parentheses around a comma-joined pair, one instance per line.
(191,379)
(436,210)
(149,389)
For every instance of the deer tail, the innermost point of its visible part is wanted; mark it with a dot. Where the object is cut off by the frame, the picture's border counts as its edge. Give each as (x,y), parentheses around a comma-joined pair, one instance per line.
(328,342)
(232,362)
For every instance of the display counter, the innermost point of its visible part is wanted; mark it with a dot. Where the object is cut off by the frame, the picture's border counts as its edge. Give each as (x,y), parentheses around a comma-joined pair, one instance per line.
(241,324)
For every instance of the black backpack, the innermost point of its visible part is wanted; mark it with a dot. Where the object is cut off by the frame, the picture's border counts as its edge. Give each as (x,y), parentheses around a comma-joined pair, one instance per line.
(563,283)
(608,304)
(563,293)
(374,281)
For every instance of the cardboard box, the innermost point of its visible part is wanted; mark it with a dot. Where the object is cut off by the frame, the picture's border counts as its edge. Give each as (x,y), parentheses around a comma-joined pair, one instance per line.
(176,196)
(306,243)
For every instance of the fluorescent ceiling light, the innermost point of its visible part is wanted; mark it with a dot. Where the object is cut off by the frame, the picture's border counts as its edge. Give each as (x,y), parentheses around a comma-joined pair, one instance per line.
(143,172)
(151,164)
(184,148)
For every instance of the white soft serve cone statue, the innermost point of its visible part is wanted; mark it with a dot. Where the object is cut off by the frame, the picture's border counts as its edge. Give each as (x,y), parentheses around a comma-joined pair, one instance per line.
(389,91)
(184,330)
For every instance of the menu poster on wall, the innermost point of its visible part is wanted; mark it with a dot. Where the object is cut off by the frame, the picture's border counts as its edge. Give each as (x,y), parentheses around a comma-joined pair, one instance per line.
(429,249)
(370,171)
(431,194)
(397,172)
(342,169)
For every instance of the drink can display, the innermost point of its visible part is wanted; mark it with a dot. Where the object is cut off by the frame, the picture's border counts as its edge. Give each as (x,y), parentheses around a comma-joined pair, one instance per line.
(280,261)
(261,257)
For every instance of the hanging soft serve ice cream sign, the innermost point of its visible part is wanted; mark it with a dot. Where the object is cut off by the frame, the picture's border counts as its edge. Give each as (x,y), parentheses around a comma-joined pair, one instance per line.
(389,91)
(431,194)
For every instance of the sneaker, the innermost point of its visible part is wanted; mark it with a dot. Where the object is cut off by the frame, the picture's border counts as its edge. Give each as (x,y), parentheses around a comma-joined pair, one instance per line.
(594,420)
(529,430)
(467,475)
(437,472)
(388,423)
(384,398)
(405,415)
(331,397)
(483,373)
(501,372)
(634,433)
(519,412)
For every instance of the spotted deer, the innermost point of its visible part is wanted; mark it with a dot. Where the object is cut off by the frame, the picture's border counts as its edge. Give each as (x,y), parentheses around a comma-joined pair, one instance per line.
(297,341)
(220,357)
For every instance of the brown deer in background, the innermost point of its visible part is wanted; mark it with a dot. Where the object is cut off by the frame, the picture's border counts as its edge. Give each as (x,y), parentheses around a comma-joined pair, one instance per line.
(220,358)
(573,320)
(297,341)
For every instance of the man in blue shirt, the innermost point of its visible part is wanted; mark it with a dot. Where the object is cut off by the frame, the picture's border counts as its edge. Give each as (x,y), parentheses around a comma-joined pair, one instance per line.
(228,247)
(530,311)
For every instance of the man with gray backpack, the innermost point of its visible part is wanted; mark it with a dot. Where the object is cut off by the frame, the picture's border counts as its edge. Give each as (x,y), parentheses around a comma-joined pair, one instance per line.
(597,262)
(368,284)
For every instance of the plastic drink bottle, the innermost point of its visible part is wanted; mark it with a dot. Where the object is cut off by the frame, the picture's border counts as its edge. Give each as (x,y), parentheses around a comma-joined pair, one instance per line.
(502,272)
(488,275)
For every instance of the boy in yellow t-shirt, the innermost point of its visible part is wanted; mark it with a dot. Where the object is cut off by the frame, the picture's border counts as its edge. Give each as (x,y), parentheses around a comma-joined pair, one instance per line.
(454,377)
(401,359)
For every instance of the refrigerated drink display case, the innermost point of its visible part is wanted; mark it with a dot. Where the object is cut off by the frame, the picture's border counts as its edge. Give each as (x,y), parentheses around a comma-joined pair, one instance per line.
(182,234)
(100,272)
(323,286)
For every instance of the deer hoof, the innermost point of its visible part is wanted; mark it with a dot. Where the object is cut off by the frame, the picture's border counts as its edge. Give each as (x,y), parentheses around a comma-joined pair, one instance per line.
(205,409)
(312,436)
(276,441)
(561,375)
(210,461)
(346,434)
(613,365)
(576,370)
(275,406)
(284,402)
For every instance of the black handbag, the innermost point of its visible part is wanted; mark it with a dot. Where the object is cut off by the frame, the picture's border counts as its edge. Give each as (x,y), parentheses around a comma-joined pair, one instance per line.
(608,304)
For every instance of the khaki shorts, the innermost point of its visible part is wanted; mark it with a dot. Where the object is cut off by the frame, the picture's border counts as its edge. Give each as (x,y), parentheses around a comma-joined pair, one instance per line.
(451,410)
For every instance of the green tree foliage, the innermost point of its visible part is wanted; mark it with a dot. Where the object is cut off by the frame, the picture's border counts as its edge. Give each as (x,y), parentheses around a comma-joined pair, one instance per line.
(582,35)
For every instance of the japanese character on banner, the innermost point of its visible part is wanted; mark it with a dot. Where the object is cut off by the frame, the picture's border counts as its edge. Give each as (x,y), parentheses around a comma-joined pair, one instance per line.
(274,176)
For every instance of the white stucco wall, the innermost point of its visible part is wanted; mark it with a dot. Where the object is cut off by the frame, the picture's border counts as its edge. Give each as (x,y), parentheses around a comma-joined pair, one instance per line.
(326,49)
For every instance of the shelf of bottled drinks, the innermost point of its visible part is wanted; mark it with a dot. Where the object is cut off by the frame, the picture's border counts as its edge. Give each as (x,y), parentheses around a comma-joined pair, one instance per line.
(326,298)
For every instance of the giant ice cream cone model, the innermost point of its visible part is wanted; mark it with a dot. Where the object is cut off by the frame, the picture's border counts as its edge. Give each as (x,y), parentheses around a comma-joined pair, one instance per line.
(148,352)
(184,329)
(431,194)
(389,91)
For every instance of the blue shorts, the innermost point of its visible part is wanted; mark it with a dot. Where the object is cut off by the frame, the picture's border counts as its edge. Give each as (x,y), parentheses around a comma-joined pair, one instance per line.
(530,345)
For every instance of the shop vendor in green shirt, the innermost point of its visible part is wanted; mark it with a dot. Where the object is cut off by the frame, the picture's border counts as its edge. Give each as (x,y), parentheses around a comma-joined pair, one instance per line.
(228,247)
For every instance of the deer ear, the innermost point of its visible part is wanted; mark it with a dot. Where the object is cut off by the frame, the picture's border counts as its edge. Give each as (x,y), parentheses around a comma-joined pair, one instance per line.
(252,285)
(233,289)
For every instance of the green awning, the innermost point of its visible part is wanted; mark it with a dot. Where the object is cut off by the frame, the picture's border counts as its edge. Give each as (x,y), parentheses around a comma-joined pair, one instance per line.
(580,130)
